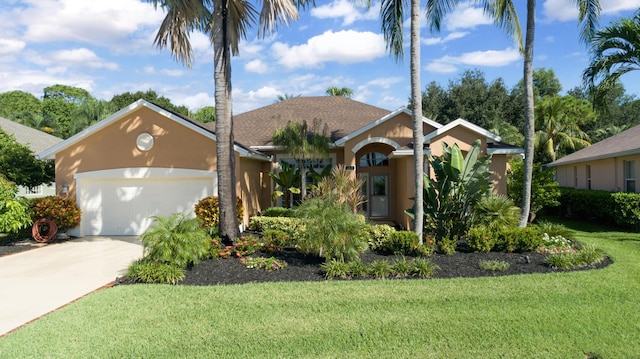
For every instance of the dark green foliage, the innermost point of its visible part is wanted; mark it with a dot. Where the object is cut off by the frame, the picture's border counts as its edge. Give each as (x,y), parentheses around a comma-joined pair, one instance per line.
(277,212)
(481,239)
(175,240)
(496,212)
(380,269)
(423,267)
(14,211)
(406,243)
(335,269)
(208,211)
(127,98)
(357,269)
(19,165)
(63,211)
(16,104)
(587,255)
(544,189)
(287,183)
(148,271)
(619,208)
(273,240)
(332,230)
(626,209)
(518,239)
(555,229)
(401,267)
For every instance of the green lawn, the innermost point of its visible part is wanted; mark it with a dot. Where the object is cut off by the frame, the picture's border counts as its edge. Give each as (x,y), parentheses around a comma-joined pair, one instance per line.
(567,315)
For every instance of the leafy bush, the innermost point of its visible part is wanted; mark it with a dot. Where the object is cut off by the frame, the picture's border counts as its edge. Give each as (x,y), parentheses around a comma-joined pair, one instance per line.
(401,267)
(494,265)
(626,209)
(518,239)
(332,231)
(544,189)
(620,208)
(149,271)
(246,245)
(357,269)
(555,229)
(63,211)
(588,255)
(343,186)
(496,212)
(175,240)
(293,226)
(481,239)
(380,269)
(423,268)
(335,269)
(208,211)
(377,234)
(407,243)
(14,211)
(268,264)
(274,240)
(277,212)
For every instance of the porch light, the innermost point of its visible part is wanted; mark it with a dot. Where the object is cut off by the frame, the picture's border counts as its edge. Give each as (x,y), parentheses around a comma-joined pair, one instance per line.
(65,189)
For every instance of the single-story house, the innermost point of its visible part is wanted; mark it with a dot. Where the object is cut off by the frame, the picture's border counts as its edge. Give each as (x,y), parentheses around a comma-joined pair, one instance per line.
(144,160)
(607,165)
(37,141)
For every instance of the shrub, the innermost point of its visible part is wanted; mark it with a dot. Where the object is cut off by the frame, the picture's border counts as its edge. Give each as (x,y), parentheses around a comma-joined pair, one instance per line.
(357,269)
(380,269)
(561,260)
(274,240)
(447,245)
(626,209)
(377,234)
(496,212)
(518,240)
(175,240)
(401,267)
(332,230)
(293,226)
(148,271)
(545,192)
(343,186)
(268,264)
(481,239)
(555,229)
(277,212)
(63,211)
(245,246)
(407,243)
(589,254)
(423,268)
(494,265)
(589,204)
(208,211)
(14,211)
(335,269)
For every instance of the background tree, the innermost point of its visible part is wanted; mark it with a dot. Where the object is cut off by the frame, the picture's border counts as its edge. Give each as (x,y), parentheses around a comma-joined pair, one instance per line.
(434,100)
(205,114)
(16,104)
(19,165)
(285,97)
(125,99)
(226,23)
(303,143)
(14,211)
(339,91)
(545,190)
(59,105)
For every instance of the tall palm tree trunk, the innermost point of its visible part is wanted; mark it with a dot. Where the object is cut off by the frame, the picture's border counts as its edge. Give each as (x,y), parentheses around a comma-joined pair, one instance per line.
(529,123)
(416,118)
(225,157)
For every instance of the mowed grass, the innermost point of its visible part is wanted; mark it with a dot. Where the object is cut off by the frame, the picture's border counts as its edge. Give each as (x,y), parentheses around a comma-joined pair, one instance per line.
(583,314)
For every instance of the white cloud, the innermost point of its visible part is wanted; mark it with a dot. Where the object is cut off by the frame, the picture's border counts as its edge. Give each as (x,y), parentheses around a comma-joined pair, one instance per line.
(489,58)
(33,81)
(346,10)
(10,46)
(343,47)
(82,57)
(441,40)
(257,66)
(563,10)
(466,16)
(196,101)
(172,73)
(385,82)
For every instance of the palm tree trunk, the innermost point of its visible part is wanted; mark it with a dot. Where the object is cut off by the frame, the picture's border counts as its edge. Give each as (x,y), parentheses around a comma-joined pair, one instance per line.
(529,123)
(416,117)
(225,156)
(303,180)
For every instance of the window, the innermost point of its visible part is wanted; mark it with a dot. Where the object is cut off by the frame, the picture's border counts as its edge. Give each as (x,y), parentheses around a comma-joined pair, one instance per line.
(374,159)
(34,190)
(588,177)
(629,176)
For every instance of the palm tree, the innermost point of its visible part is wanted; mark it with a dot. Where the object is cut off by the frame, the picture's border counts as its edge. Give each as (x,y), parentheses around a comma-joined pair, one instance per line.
(285,97)
(615,50)
(558,121)
(503,11)
(304,143)
(226,22)
(337,91)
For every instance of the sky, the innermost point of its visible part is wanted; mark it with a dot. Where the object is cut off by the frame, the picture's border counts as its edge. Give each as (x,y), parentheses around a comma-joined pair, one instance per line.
(106,47)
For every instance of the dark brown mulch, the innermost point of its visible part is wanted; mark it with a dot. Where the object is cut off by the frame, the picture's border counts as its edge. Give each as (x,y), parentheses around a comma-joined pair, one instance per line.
(307,268)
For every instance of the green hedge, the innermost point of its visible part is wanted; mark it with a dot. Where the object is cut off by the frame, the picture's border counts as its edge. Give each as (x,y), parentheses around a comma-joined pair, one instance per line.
(619,208)
(289,225)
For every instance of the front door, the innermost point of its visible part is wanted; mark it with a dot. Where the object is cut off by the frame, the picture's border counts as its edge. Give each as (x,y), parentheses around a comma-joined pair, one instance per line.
(376,190)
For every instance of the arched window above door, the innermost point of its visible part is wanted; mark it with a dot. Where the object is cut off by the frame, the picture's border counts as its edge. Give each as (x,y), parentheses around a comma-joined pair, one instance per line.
(374,159)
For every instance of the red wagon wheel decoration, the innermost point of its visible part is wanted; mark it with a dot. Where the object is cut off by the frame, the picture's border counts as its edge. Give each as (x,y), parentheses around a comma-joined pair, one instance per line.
(38,228)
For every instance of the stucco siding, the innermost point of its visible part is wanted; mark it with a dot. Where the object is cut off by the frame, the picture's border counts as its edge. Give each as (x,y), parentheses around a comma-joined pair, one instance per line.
(254,183)
(606,174)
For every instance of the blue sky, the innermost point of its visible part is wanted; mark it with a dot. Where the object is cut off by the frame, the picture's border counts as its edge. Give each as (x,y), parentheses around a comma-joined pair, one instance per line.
(106,47)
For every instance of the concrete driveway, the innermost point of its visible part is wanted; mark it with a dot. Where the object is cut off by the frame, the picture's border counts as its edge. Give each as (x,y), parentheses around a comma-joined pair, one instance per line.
(38,281)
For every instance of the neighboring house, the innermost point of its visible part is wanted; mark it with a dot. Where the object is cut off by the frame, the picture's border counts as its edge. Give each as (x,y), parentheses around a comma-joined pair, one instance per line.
(145,160)
(37,141)
(608,165)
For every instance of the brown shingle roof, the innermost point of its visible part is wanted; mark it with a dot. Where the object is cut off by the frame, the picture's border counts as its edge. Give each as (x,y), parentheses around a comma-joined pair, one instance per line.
(340,114)
(624,143)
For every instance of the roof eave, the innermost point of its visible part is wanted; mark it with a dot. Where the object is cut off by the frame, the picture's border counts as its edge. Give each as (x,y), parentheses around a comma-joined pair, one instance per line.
(560,162)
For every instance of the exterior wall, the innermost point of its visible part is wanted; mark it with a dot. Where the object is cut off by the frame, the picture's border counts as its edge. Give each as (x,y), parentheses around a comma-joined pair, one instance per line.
(253,186)
(606,174)
(460,135)
(175,146)
(499,167)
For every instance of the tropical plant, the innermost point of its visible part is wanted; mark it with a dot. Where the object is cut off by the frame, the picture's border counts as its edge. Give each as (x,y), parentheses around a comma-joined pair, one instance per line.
(460,182)
(615,51)
(148,271)
(335,269)
(505,16)
(481,239)
(175,240)
(277,212)
(14,212)
(545,190)
(423,267)
(344,185)
(63,211)
(19,165)
(332,230)
(339,91)
(495,212)
(494,265)
(286,96)
(303,143)
(226,24)
(208,211)
(286,181)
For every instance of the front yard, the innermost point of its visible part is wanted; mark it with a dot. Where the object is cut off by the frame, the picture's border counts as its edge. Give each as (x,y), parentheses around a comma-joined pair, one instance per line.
(583,314)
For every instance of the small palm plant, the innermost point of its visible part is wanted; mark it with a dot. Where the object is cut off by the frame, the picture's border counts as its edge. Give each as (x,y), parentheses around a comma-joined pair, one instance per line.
(496,212)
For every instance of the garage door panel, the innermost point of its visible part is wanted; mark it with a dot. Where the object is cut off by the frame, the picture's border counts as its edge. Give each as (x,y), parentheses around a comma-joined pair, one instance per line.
(124,206)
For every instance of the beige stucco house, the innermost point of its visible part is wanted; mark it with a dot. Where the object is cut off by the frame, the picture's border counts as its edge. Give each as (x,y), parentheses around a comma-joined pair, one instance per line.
(607,165)
(144,160)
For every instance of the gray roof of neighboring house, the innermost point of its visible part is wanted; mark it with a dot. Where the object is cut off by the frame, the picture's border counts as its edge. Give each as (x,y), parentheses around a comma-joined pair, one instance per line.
(36,140)
(341,115)
(623,144)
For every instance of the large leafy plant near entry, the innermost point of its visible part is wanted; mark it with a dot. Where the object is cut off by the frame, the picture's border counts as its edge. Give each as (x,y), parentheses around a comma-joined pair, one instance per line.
(460,182)
(286,181)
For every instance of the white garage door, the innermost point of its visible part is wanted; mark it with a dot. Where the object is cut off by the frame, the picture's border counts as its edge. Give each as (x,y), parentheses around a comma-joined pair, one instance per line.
(123,206)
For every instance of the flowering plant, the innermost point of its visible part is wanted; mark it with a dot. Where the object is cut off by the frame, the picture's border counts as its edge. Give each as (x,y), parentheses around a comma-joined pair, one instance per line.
(555,245)
(269,264)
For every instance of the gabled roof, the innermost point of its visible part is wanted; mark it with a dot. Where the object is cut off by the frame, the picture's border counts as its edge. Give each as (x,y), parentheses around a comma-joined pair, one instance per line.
(383,119)
(342,116)
(623,144)
(185,121)
(36,140)
(491,137)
